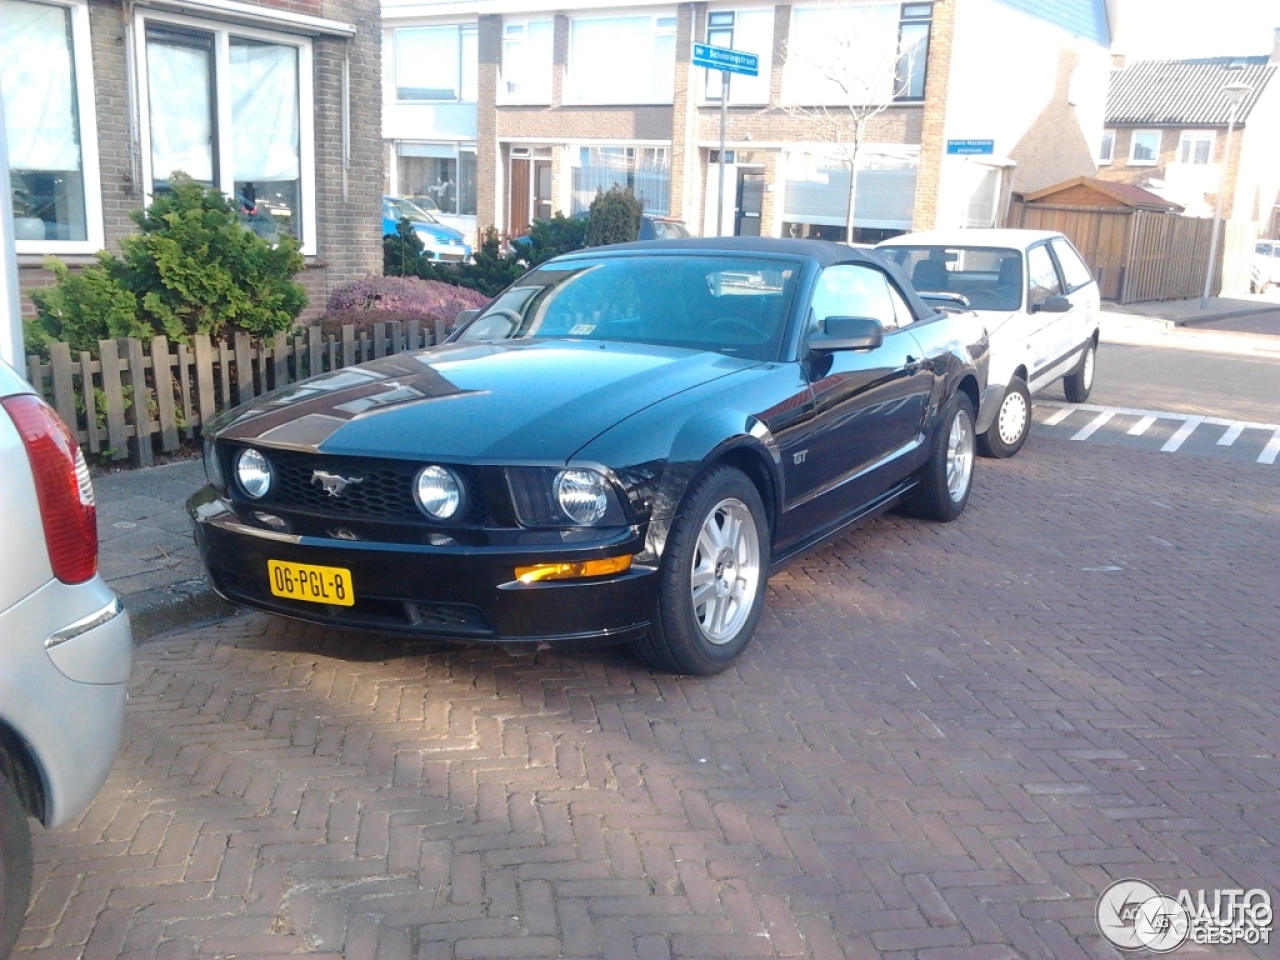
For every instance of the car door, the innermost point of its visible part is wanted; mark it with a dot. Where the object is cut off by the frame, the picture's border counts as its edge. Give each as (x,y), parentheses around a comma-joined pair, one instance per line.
(1049,333)
(1082,291)
(869,405)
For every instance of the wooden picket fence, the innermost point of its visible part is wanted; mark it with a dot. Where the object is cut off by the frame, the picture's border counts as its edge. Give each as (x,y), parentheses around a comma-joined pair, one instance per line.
(182,386)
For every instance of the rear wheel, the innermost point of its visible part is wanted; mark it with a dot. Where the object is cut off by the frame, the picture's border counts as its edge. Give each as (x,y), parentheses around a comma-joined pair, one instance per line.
(947,478)
(714,571)
(15,866)
(1077,385)
(1008,433)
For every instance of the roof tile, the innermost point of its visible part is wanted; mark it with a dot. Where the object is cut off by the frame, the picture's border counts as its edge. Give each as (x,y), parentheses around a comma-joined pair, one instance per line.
(1184,92)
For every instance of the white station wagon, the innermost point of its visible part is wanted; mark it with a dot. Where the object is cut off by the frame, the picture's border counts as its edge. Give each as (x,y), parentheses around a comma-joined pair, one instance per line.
(1040,305)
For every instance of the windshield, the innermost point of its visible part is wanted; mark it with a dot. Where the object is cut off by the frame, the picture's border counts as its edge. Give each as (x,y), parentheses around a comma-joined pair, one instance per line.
(1268,249)
(989,278)
(401,209)
(730,305)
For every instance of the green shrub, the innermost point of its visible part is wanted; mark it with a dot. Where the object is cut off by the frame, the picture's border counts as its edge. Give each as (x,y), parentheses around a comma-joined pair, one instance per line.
(550,238)
(193,269)
(490,272)
(615,217)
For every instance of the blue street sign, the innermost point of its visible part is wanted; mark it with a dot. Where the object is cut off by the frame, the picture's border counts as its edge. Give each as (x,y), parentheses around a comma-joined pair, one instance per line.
(972,148)
(722,58)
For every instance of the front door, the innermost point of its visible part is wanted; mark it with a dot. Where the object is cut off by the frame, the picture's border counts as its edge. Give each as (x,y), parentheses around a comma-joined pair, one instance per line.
(750,204)
(518,195)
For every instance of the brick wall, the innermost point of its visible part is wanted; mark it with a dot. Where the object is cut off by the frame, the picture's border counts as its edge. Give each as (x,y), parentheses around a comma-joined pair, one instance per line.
(934,115)
(1120,170)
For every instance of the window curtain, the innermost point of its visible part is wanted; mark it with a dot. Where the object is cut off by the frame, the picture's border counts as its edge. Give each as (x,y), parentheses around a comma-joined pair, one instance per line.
(818,191)
(264,112)
(427,63)
(178,87)
(646,171)
(38,81)
(527,62)
(611,60)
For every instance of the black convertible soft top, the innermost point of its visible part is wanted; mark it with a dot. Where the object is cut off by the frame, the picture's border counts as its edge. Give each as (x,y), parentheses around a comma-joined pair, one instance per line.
(825,253)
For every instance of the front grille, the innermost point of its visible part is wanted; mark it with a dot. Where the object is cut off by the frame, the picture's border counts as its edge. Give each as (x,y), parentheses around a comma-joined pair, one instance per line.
(384,491)
(420,617)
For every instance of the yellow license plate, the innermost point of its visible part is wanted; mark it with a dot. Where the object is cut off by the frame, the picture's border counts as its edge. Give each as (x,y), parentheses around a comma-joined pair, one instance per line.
(305,581)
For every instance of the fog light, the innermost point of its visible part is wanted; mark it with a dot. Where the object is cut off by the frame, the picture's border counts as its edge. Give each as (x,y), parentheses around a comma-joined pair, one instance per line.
(254,473)
(438,492)
(573,571)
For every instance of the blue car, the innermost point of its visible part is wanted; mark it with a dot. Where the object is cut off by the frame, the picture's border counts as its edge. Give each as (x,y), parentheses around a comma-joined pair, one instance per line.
(439,241)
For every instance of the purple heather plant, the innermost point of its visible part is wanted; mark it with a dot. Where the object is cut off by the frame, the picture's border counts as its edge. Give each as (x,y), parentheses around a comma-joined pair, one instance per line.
(379,299)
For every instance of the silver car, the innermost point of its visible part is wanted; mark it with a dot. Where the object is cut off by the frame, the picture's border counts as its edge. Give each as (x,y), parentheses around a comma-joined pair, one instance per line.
(66,648)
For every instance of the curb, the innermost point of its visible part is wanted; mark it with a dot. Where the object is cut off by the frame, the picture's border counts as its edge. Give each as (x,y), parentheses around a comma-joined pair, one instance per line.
(181,604)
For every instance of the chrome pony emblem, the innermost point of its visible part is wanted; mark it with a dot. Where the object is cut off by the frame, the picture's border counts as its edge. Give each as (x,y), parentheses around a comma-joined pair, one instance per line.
(332,484)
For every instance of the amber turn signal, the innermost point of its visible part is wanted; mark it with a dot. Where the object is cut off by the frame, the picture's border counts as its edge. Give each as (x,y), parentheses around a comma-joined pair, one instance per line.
(572,571)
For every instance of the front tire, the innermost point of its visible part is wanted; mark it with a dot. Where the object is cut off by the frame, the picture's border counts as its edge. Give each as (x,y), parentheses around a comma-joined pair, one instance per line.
(1009,431)
(714,571)
(947,478)
(1078,385)
(15,866)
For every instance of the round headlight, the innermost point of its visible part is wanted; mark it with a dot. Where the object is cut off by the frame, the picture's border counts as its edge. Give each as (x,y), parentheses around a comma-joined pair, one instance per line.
(582,494)
(254,473)
(438,492)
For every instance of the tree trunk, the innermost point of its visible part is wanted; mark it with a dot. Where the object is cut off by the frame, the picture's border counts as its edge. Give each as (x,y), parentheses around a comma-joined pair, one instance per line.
(853,194)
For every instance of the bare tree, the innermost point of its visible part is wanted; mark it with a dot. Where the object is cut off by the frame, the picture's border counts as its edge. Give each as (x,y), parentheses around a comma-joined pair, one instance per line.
(853,66)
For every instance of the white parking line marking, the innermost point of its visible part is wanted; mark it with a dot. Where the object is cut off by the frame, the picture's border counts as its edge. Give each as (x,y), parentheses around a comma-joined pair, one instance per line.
(1056,412)
(1184,431)
(1233,431)
(1269,452)
(1086,432)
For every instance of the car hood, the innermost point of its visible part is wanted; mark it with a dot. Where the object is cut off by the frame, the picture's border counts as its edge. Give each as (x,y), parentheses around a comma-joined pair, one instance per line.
(437,231)
(535,400)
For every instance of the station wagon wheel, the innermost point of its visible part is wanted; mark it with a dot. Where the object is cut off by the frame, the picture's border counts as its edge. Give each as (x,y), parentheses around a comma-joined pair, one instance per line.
(1077,384)
(947,479)
(1008,432)
(714,571)
(15,865)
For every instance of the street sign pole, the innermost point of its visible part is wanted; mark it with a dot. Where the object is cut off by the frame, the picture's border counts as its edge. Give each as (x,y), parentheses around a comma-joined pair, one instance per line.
(727,61)
(724,113)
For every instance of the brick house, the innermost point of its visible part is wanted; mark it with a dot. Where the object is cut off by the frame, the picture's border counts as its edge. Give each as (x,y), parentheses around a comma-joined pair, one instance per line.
(503,111)
(275,101)
(1166,131)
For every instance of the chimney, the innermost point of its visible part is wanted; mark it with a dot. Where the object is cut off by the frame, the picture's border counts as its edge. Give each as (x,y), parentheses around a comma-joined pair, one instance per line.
(1275,48)
(1117,59)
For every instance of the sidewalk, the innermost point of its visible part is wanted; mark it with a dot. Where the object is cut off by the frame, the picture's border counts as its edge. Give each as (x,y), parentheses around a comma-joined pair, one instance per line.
(149,559)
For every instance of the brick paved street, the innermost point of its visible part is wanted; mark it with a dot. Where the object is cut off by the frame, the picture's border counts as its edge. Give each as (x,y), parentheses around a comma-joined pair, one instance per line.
(945,742)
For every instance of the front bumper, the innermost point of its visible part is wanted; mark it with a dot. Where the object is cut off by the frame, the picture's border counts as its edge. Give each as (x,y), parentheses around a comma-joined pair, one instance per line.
(456,591)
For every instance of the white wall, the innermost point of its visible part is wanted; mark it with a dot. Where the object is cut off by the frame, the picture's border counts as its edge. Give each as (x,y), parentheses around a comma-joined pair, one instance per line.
(1035,89)
(10,310)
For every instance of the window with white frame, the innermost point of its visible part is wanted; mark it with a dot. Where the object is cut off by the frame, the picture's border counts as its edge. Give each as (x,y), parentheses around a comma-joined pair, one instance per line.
(231,108)
(1196,147)
(843,54)
(913,51)
(1144,148)
(526,62)
(752,32)
(46,78)
(1107,147)
(628,59)
(436,63)
(442,173)
(645,171)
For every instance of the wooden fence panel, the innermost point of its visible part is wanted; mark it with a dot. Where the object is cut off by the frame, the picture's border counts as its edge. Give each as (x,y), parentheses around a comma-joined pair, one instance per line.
(183,381)
(113,391)
(348,345)
(315,352)
(162,374)
(64,394)
(139,408)
(205,398)
(87,369)
(244,368)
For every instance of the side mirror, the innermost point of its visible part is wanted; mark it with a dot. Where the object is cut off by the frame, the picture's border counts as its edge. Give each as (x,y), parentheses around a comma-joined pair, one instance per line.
(848,333)
(1053,305)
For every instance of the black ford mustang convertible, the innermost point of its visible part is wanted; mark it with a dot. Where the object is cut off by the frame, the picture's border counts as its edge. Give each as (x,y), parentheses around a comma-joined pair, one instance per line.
(621,447)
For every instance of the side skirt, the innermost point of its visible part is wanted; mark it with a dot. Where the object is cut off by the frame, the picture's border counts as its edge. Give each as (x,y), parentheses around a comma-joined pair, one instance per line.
(878,506)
